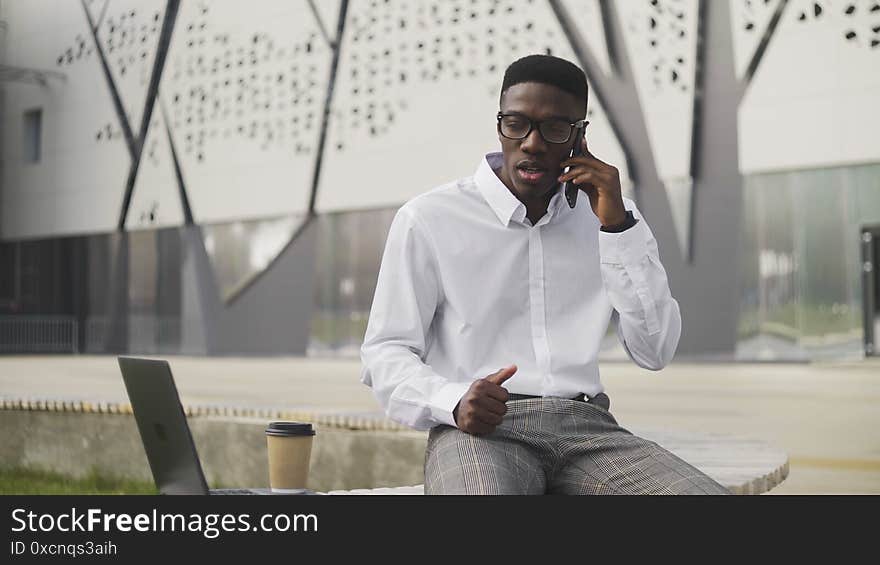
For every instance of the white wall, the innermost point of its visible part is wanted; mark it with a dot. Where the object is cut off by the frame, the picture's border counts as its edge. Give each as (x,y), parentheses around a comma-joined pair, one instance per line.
(155,199)
(434,124)
(238,146)
(661,42)
(813,101)
(230,174)
(588,17)
(77,185)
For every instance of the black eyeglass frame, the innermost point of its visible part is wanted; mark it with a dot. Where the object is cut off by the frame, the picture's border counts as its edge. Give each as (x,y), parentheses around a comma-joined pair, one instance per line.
(536,124)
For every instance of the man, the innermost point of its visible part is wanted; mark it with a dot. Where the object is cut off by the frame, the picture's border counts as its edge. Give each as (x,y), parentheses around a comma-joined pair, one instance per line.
(497,270)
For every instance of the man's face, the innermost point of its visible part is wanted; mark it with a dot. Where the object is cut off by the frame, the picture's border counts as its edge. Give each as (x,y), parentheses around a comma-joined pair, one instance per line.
(537,101)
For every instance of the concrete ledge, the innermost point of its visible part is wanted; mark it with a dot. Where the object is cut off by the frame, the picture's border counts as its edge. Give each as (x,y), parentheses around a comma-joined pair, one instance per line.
(351,452)
(348,420)
(232,450)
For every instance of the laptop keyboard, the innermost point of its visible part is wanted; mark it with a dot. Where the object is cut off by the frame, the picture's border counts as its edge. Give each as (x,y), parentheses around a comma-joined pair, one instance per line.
(259,491)
(236,491)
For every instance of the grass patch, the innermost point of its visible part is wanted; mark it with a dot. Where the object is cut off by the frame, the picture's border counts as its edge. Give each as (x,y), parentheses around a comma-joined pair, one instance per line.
(30,481)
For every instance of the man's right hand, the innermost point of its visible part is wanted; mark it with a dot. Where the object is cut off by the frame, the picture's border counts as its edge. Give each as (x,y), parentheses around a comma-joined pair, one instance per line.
(483,406)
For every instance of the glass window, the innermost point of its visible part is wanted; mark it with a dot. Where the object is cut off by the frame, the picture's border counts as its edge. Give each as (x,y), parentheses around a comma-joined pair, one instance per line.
(350,247)
(800,292)
(240,251)
(8,274)
(33,125)
(826,267)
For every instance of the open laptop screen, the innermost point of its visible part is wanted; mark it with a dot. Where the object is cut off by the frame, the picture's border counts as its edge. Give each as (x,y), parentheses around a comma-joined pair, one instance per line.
(163,427)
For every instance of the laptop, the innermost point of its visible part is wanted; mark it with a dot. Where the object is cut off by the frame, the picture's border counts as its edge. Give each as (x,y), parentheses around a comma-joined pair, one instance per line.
(164,431)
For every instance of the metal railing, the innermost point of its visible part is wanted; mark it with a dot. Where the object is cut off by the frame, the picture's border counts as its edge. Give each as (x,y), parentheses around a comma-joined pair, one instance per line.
(60,334)
(38,334)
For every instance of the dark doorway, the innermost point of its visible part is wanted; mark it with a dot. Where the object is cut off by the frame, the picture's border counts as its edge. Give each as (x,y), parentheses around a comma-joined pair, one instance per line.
(871,287)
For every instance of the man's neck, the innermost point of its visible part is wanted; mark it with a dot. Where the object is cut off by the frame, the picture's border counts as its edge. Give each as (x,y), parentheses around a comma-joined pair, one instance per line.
(535,210)
(536,207)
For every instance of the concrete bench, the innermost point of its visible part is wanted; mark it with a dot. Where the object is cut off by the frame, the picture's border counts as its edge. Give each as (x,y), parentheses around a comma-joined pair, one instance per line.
(744,466)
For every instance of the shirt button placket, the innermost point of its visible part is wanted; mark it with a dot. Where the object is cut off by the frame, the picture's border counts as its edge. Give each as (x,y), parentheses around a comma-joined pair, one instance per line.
(536,306)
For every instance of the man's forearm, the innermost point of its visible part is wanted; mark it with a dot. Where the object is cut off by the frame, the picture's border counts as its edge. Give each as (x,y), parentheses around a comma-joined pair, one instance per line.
(410,392)
(637,286)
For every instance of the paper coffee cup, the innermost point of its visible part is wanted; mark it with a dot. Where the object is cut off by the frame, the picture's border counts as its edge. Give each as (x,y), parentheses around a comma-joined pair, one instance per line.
(290,449)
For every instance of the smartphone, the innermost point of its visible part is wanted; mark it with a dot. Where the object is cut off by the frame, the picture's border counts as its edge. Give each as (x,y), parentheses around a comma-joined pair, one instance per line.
(571,190)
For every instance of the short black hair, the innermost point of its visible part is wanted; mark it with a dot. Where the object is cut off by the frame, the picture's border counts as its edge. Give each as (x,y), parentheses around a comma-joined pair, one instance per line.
(550,70)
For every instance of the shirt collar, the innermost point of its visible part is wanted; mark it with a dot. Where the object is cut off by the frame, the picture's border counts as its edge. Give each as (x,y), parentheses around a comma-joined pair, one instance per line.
(505,205)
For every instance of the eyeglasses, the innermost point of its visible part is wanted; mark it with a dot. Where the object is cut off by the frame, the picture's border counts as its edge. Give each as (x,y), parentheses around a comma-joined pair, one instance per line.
(553,130)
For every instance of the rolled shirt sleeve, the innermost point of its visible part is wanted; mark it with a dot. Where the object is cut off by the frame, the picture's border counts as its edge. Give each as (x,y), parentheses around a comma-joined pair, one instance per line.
(636,283)
(408,292)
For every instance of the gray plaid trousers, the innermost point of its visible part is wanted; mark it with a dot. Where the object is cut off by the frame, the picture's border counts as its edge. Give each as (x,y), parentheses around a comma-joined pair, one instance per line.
(556,446)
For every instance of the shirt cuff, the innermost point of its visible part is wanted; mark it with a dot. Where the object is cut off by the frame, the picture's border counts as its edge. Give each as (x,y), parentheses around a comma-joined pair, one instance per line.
(444,401)
(629,222)
(624,248)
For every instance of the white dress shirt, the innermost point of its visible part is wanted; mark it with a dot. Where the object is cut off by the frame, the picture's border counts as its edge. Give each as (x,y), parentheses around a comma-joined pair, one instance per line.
(468,286)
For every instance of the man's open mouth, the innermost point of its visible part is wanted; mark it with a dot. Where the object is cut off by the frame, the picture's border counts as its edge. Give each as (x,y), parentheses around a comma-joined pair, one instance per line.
(530,173)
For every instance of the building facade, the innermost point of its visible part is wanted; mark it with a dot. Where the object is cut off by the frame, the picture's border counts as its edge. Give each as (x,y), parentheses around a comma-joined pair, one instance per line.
(218,178)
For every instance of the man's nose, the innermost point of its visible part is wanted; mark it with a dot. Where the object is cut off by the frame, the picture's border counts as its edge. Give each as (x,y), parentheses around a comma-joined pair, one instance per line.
(533,143)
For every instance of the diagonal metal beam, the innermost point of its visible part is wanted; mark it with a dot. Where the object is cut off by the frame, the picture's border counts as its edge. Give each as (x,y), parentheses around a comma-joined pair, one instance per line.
(685,225)
(322,141)
(330,42)
(102,14)
(305,222)
(764,43)
(325,118)
(600,83)
(612,42)
(171,10)
(697,124)
(114,92)
(178,171)
(581,49)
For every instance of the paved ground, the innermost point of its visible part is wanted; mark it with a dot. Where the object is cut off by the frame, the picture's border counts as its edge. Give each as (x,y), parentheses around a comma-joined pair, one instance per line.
(824,415)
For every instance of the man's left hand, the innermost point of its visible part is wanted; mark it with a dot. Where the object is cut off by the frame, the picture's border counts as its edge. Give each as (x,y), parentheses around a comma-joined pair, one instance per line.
(601,182)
